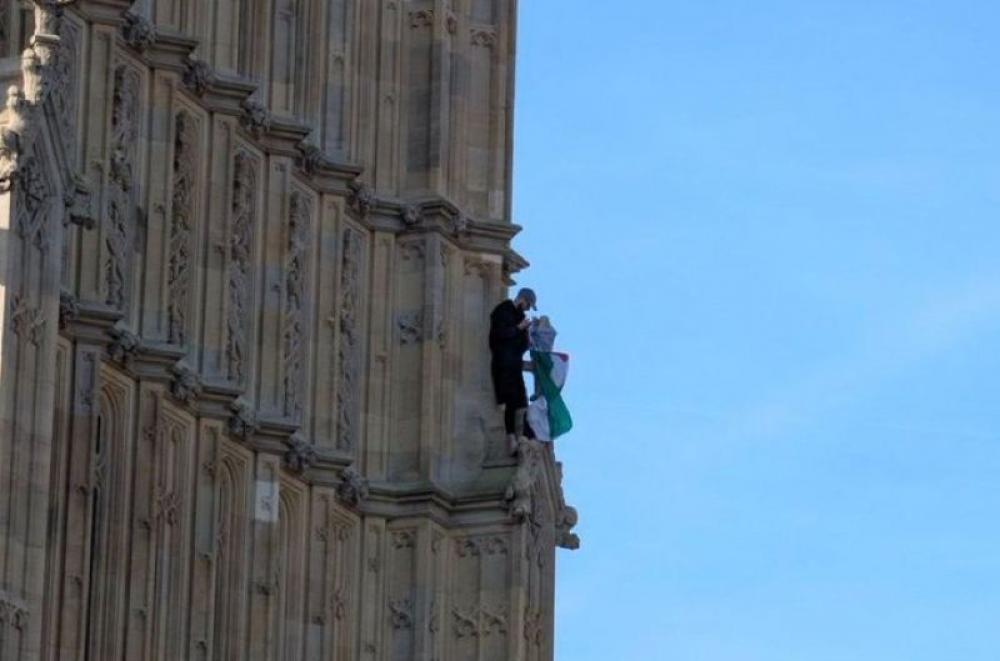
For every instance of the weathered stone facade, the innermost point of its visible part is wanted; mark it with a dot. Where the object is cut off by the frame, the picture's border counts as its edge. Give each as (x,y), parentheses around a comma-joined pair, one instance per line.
(248,249)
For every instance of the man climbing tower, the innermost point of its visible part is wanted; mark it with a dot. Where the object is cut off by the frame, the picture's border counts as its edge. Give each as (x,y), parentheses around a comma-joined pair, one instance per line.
(508,342)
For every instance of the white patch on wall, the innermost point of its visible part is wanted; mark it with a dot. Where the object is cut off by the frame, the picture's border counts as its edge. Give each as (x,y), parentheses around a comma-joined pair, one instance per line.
(266,509)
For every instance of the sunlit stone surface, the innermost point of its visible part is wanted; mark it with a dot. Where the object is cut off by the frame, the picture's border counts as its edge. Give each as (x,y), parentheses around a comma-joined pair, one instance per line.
(249,249)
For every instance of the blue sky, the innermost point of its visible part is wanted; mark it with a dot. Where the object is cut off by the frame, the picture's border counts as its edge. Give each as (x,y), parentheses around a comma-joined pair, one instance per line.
(768,234)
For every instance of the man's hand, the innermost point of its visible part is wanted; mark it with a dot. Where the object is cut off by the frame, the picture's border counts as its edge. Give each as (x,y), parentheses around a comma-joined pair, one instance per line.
(524,324)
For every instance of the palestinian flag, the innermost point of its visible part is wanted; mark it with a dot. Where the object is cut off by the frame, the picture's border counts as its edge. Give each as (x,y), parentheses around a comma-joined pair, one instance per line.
(548,416)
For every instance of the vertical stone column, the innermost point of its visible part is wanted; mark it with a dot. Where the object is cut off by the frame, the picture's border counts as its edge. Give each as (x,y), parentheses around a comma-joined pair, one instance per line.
(31,234)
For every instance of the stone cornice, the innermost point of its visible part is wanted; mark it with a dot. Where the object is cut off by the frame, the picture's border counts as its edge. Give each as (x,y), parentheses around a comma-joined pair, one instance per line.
(98,325)
(232,95)
(102,11)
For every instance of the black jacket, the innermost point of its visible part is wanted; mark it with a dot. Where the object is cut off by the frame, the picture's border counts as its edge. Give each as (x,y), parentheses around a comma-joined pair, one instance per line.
(508,344)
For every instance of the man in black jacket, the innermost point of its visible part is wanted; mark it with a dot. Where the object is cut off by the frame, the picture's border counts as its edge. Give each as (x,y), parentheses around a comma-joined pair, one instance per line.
(508,342)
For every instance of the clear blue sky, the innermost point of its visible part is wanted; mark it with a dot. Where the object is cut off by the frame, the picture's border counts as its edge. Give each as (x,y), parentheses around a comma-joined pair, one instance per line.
(768,233)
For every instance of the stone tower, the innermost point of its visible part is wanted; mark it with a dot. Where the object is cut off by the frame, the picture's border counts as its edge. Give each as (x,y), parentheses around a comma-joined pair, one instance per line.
(248,249)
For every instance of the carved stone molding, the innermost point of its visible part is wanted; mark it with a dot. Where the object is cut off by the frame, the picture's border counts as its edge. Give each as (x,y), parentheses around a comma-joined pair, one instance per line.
(120,217)
(300,454)
(403,539)
(412,215)
(13,613)
(349,348)
(31,214)
(179,263)
(534,627)
(255,118)
(459,225)
(412,250)
(493,621)
(240,264)
(353,487)
(242,422)
(485,38)
(294,332)
(185,386)
(27,321)
(520,494)
(465,623)
(311,158)
(360,198)
(566,520)
(138,31)
(69,309)
(422,18)
(410,326)
(198,76)
(64,85)
(78,201)
(401,613)
(124,345)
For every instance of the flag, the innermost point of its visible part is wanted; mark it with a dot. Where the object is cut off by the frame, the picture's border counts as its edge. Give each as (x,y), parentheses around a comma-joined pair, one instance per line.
(548,416)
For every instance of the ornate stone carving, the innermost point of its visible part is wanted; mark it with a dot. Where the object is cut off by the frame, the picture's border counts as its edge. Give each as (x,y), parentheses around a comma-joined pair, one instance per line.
(255,118)
(31,215)
(459,225)
(242,421)
(401,613)
(138,31)
(403,539)
(300,454)
(69,309)
(410,325)
(483,38)
(520,492)
(239,284)
(349,348)
(494,621)
(411,250)
(466,623)
(496,546)
(120,219)
(10,155)
(181,227)
(360,198)
(78,201)
(566,520)
(198,75)
(310,158)
(166,506)
(185,386)
(412,215)
(15,137)
(479,267)
(27,322)
(293,340)
(64,85)
(534,628)
(353,487)
(13,612)
(422,18)
(124,345)
(338,604)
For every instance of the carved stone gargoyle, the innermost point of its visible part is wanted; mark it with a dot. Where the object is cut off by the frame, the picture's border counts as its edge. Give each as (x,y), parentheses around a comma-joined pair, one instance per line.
(353,487)
(300,454)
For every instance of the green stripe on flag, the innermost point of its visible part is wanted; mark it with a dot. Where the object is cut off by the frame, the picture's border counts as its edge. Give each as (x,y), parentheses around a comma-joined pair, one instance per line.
(560,421)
